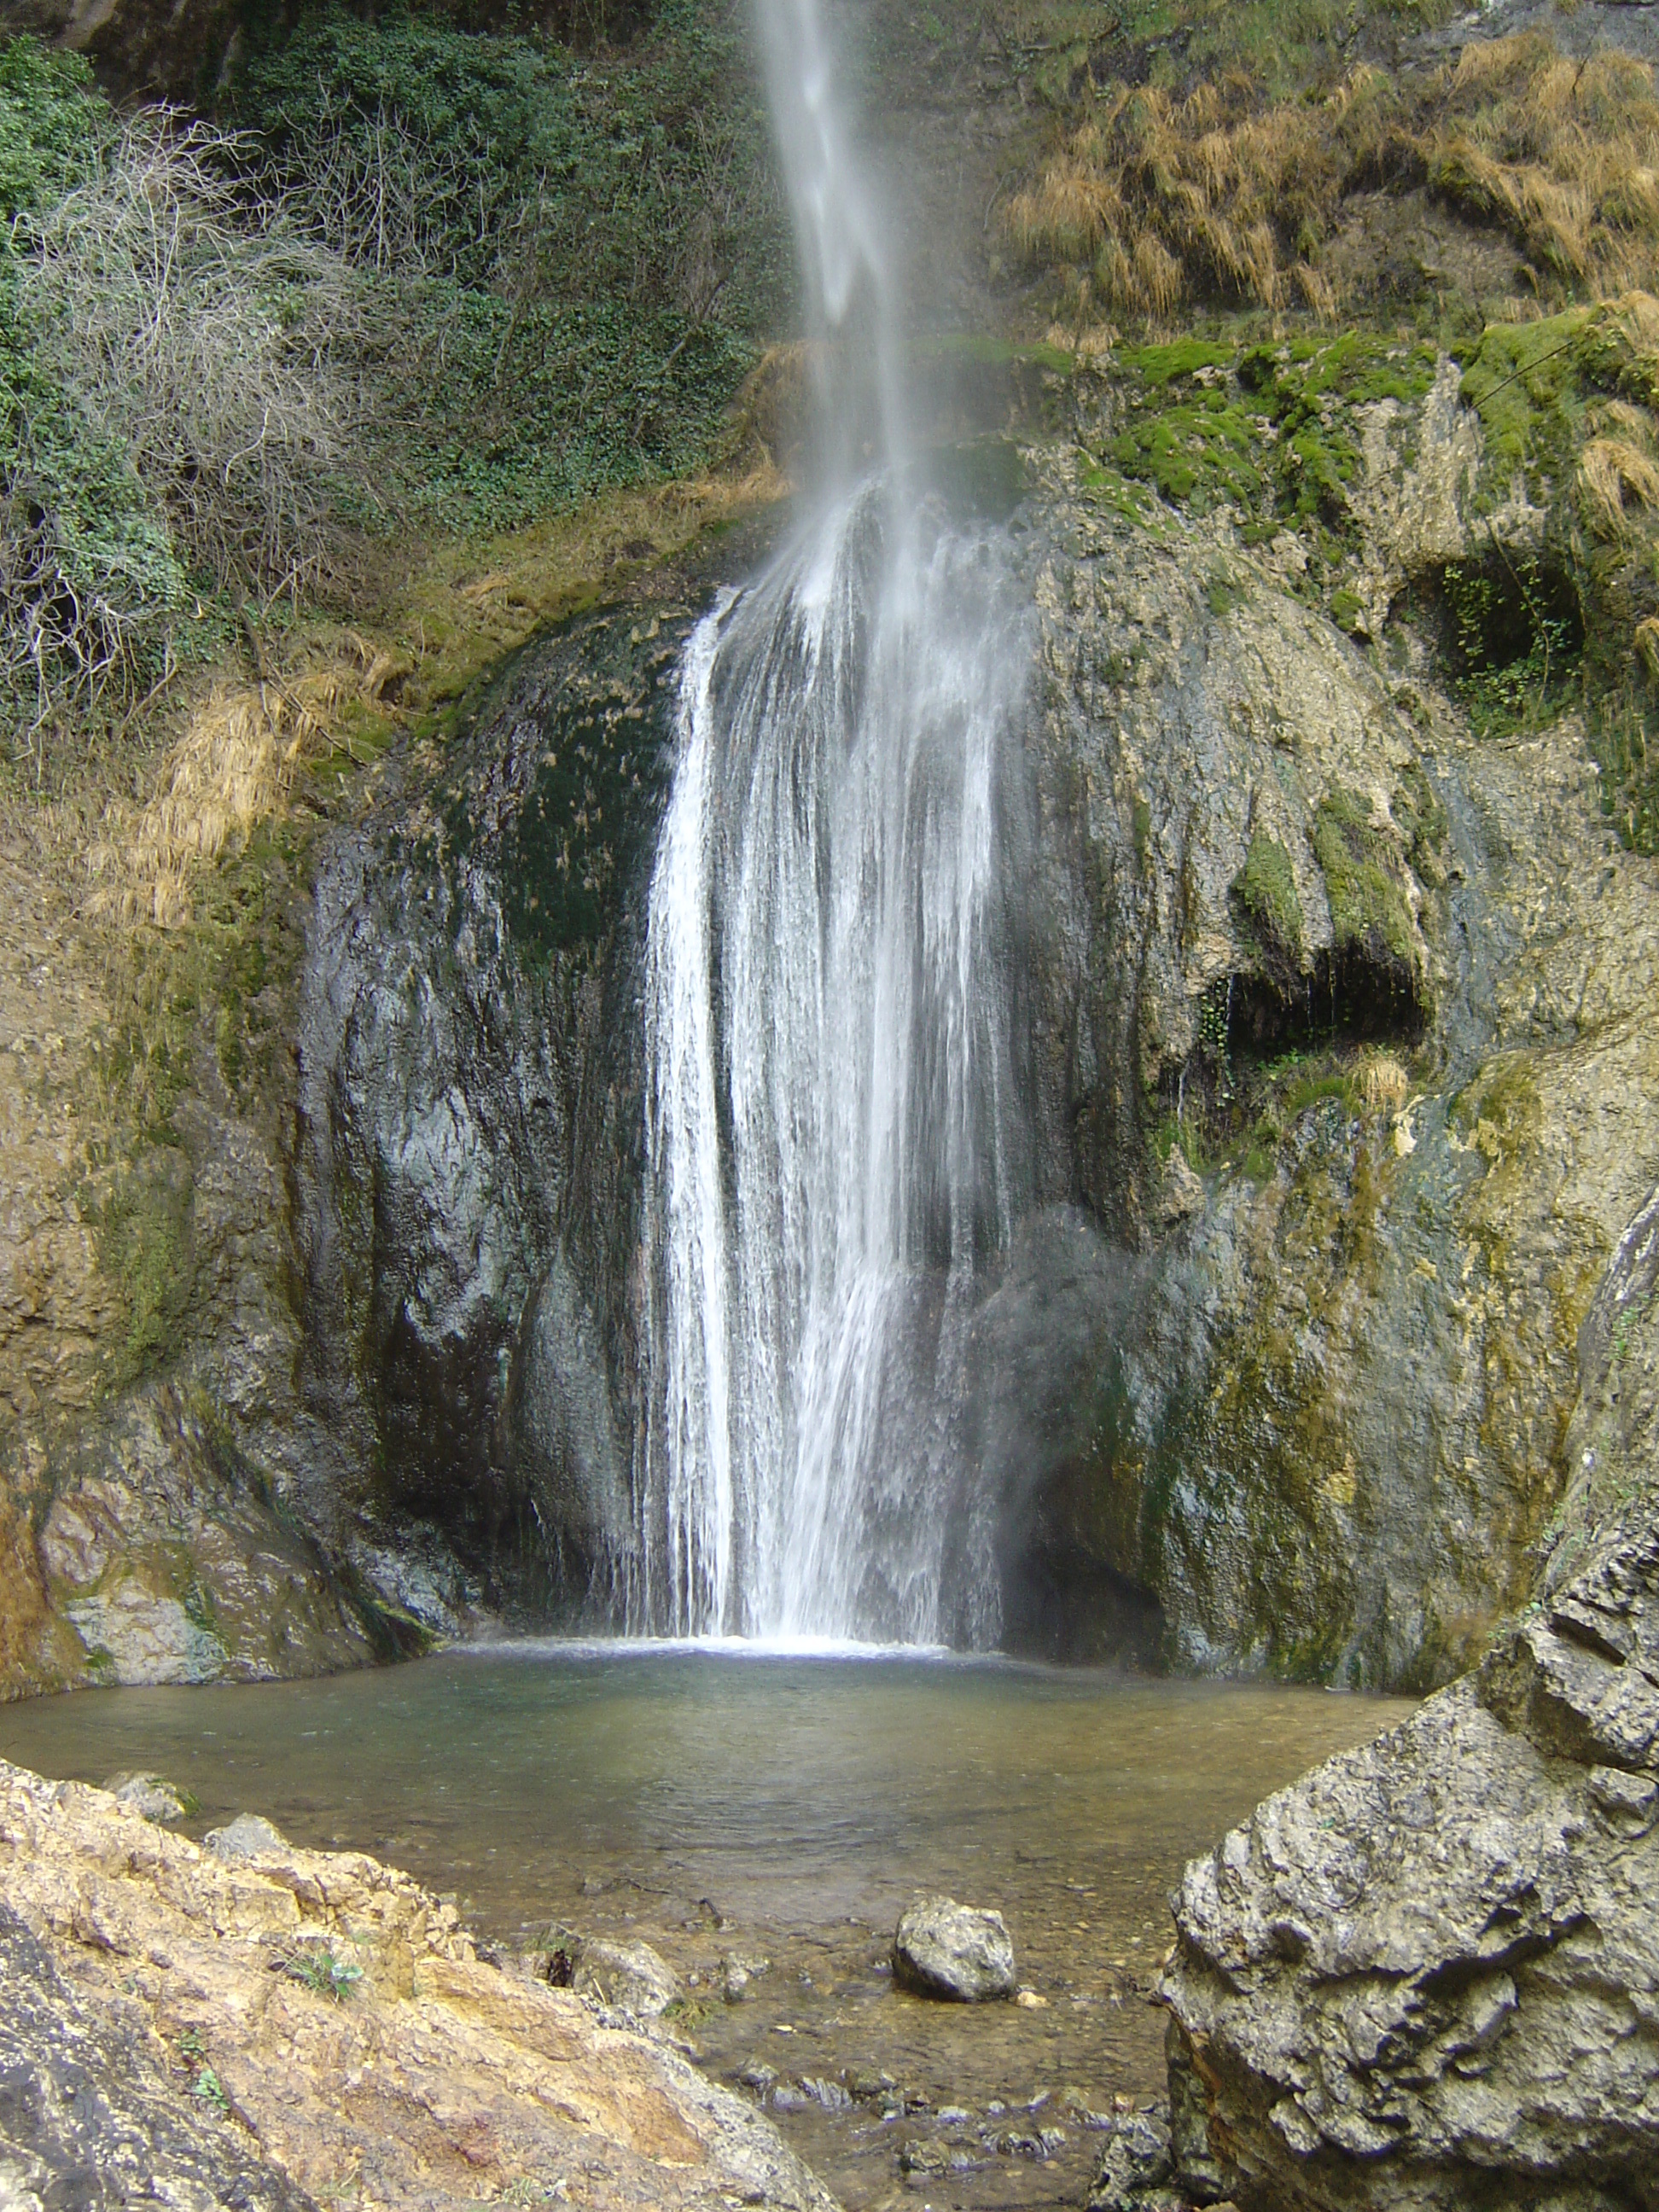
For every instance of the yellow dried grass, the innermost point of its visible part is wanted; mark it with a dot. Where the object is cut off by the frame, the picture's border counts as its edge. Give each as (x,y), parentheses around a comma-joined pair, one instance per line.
(1238,195)
(1384,1085)
(233,767)
(1610,469)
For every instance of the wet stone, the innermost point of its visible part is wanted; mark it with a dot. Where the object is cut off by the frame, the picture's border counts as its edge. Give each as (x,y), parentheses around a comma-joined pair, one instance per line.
(958,1952)
(631,1978)
(247,1837)
(153,1796)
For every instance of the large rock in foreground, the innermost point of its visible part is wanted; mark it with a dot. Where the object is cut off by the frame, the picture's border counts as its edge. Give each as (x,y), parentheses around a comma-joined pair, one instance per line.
(1427,1975)
(154,1993)
(943,1950)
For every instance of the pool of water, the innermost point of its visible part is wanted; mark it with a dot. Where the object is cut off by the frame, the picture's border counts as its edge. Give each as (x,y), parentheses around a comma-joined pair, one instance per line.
(786,1807)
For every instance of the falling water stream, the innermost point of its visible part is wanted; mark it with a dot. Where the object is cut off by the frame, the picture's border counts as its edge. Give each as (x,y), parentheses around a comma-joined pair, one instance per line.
(835,1136)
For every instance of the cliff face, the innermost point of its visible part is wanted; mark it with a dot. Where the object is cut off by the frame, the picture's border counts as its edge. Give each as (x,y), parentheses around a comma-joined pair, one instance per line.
(1333,1424)
(1425,1975)
(1342,1089)
(1288,1390)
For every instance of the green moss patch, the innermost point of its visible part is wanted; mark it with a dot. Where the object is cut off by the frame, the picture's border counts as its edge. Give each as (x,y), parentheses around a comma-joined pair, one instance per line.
(1272,430)
(1364,884)
(1265,888)
(145,1249)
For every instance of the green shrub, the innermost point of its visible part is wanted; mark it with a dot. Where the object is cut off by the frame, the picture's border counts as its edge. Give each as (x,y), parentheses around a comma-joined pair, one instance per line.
(425,273)
(573,263)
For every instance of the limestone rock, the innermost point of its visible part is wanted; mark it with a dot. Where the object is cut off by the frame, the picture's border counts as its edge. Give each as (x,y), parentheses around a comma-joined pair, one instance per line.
(153,1796)
(742,1970)
(1293,1450)
(249,1836)
(1181,1194)
(1426,1976)
(629,1977)
(943,1950)
(466,2082)
(89,2116)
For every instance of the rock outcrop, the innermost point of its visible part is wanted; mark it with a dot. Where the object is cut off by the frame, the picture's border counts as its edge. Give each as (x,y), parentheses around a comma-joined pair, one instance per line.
(262,2029)
(1342,1082)
(89,2116)
(1325,1424)
(1427,1976)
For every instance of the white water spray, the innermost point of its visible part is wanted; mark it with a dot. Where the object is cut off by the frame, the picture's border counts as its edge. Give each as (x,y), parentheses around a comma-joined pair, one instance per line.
(834,1145)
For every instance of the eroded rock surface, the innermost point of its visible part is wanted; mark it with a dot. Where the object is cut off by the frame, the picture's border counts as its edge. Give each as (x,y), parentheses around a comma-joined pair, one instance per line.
(1427,1975)
(88,2116)
(431,2080)
(1327,1429)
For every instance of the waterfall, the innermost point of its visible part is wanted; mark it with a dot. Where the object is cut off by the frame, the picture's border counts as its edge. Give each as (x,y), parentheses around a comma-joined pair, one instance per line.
(834,1138)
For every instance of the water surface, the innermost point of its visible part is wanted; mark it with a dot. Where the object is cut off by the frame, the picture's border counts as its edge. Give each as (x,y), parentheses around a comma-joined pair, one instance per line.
(785,1808)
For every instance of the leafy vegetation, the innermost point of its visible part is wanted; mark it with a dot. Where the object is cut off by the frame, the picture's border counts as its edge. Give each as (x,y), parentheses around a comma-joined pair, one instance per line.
(575,261)
(421,277)
(318,1969)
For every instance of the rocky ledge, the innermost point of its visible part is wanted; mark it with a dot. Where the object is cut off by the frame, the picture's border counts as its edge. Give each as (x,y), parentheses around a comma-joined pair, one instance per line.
(246,2024)
(1427,1975)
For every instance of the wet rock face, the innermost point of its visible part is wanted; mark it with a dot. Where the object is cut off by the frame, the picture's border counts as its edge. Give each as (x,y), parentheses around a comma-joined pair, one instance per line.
(1342,1036)
(471,1120)
(1342,1083)
(1426,1976)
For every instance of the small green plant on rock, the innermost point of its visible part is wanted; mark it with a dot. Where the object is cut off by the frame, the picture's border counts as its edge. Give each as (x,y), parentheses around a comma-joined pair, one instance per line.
(1265,888)
(1363,881)
(318,1969)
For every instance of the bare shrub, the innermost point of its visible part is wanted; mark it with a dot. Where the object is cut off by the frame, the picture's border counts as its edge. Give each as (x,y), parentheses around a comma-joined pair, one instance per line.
(192,326)
(382,195)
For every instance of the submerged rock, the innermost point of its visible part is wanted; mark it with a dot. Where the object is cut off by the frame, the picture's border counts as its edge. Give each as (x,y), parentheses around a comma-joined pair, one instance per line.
(153,1796)
(141,2006)
(629,1977)
(739,1973)
(960,1952)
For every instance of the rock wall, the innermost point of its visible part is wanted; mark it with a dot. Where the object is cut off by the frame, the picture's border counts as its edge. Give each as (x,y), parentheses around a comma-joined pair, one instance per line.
(1427,1975)
(1332,1426)
(1342,1085)
(469,1122)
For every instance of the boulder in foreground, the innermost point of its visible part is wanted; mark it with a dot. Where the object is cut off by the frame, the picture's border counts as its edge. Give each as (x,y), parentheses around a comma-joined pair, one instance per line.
(256,2029)
(943,1950)
(1425,1977)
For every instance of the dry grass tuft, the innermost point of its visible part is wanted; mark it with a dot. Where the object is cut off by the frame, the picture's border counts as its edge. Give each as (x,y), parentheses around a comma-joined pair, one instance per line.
(233,768)
(1160,199)
(1610,471)
(1164,198)
(1384,1085)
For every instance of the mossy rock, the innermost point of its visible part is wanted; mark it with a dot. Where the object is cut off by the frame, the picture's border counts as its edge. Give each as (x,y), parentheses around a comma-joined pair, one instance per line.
(1265,888)
(1365,882)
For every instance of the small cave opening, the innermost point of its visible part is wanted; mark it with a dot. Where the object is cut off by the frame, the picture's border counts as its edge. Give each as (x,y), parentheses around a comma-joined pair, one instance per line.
(1510,629)
(1271,1045)
(1349,998)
